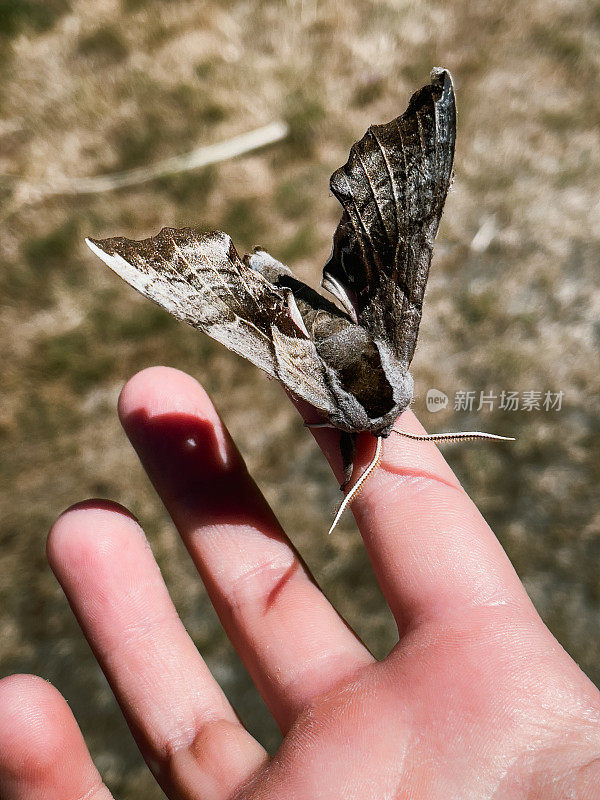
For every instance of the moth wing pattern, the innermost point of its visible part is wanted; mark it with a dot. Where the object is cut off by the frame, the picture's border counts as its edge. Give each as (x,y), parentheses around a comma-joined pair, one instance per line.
(200,279)
(392,190)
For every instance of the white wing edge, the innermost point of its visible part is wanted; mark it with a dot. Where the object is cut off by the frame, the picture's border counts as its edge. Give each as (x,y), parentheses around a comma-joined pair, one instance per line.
(118,264)
(133,276)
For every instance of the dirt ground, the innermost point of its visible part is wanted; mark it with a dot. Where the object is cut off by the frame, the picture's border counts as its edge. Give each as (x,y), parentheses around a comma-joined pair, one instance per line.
(95,86)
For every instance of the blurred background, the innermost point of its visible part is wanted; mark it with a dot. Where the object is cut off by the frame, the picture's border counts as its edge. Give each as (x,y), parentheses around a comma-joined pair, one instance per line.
(94,87)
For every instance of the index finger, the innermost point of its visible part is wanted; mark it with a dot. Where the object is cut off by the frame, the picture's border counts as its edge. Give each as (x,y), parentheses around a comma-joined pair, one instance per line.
(431,549)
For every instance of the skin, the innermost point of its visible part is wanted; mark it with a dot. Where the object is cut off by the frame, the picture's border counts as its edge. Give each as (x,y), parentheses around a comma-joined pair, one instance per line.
(477,700)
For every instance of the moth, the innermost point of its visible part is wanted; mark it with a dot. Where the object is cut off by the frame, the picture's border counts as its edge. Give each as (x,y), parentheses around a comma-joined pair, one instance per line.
(349,360)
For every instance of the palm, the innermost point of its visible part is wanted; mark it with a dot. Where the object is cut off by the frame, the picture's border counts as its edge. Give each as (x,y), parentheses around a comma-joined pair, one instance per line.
(477,700)
(477,706)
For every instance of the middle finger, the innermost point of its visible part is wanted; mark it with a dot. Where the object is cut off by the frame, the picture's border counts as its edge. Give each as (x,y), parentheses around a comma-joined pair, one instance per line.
(291,639)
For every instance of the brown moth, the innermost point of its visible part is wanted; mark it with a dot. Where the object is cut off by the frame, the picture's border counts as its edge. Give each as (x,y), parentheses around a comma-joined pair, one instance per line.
(350,362)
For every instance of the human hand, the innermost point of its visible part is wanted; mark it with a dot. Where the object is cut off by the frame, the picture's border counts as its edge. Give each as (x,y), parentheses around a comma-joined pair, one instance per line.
(477,700)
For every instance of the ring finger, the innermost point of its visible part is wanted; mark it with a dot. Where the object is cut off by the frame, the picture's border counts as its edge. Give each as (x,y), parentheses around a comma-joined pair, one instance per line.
(184,725)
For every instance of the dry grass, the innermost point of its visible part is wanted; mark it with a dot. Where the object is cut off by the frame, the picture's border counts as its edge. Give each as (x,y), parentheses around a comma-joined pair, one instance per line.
(90,87)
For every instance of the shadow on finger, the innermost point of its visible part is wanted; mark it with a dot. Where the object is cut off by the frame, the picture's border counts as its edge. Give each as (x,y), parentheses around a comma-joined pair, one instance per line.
(198,471)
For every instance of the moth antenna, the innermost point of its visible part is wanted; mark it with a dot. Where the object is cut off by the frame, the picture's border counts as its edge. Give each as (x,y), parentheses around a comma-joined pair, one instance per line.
(359,483)
(460,436)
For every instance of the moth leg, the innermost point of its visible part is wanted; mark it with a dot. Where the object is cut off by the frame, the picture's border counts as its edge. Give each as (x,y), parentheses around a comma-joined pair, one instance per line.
(348,451)
(375,461)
